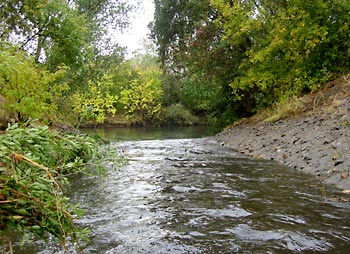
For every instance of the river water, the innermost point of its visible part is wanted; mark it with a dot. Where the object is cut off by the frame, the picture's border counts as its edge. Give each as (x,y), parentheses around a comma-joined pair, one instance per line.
(191,195)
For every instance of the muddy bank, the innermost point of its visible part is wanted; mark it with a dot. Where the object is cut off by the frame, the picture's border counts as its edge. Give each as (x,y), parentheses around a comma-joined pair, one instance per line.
(316,143)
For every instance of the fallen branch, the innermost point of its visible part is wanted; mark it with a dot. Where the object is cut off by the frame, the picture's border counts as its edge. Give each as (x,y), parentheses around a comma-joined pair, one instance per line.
(19,157)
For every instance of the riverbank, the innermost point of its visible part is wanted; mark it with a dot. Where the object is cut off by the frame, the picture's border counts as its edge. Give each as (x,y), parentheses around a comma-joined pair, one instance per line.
(314,140)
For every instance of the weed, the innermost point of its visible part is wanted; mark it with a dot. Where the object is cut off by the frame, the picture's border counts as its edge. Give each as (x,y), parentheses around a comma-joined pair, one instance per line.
(286,108)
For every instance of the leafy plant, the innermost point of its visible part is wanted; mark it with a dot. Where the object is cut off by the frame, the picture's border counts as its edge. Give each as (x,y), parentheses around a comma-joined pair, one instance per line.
(291,46)
(177,114)
(142,99)
(29,91)
(96,101)
(235,58)
(32,166)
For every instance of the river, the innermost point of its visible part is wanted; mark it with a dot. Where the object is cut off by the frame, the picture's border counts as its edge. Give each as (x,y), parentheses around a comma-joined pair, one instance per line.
(181,192)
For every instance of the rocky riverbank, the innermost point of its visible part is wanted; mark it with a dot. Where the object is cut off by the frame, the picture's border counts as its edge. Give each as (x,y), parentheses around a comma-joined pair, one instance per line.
(317,141)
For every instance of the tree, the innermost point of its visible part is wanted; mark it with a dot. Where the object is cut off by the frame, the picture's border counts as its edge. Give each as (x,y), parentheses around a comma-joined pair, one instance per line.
(174,24)
(211,65)
(105,16)
(29,91)
(293,45)
(195,58)
(69,35)
(95,101)
(233,58)
(62,32)
(52,31)
(142,99)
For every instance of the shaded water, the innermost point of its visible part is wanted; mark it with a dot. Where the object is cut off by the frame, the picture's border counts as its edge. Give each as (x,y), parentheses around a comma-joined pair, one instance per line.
(151,133)
(195,196)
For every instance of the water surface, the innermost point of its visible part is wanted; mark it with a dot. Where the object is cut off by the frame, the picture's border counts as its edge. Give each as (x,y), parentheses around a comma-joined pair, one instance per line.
(195,196)
(151,133)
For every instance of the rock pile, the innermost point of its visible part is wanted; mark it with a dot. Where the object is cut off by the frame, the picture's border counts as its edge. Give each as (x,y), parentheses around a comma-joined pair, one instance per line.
(318,143)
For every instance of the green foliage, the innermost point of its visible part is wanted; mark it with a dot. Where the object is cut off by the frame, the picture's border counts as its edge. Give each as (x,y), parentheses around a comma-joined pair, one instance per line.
(171,86)
(70,33)
(211,64)
(178,115)
(95,101)
(234,58)
(62,32)
(174,23)
(198,65)
(29,90)
(293,46)
(53,31)
(32,161)
(142,98)
(106,13)
(74,34)
(197,94)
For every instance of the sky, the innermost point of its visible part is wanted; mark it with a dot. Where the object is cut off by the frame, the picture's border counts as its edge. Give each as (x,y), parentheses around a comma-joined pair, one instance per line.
(133,37)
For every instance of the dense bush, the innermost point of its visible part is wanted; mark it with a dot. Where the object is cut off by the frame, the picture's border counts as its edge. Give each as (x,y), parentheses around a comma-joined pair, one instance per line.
(27,89)
(178,115)
(291,47)
(143,96)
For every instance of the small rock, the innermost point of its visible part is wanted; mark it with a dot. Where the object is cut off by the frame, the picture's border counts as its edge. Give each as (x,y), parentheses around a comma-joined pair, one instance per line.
(345,175)
(338,162)
(307,158)
(326,142)
(296,140)
(335,145)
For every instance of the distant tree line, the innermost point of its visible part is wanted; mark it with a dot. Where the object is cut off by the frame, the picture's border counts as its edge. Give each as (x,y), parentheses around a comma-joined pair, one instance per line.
(60,62)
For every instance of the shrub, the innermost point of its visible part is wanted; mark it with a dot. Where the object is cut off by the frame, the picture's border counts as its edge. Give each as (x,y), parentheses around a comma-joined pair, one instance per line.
(177,114)
(28,90)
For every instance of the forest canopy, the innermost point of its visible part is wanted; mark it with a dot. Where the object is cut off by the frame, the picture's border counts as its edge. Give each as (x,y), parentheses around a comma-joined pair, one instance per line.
(60,62)
(238,57)
(216,59)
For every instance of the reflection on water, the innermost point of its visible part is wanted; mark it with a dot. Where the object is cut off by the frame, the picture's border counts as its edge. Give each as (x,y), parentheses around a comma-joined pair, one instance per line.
(149,133)
(194,196)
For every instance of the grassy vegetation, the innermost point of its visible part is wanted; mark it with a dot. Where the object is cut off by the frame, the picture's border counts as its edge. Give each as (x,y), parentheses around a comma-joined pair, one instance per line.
(322,101)
(286,108)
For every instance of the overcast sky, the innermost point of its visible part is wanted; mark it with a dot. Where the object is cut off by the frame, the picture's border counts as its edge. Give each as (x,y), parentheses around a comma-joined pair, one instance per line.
(133,37)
